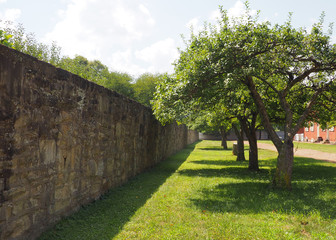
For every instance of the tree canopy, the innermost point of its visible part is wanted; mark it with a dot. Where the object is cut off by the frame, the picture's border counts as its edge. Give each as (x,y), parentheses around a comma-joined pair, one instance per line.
(286,71)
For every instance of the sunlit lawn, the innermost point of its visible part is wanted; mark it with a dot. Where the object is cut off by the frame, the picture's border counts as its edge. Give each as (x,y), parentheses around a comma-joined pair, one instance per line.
(203,193)
(329,148)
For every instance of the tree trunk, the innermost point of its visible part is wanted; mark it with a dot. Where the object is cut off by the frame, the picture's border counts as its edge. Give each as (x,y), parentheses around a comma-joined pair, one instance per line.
(240,143)
(250,131)
(253,153)
(284,169)
(224,139)
(283,174)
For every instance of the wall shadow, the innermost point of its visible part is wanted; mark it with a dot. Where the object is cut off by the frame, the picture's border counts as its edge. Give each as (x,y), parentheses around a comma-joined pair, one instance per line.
(112,211)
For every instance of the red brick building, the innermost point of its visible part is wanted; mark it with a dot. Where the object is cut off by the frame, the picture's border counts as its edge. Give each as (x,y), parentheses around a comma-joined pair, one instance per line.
(314,132)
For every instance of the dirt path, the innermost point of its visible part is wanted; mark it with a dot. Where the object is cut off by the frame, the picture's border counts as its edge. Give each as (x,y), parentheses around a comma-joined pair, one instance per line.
(330,157)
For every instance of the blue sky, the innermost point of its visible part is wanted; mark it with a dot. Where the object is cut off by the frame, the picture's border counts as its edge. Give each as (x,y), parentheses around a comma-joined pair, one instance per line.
(138,36)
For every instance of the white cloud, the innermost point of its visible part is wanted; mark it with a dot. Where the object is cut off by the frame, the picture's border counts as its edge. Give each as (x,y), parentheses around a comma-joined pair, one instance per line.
(194,24)
(123,61)
(92,28)
(150,20)
(11,14)
(159,55)
(215,15)
(333,40)
(3,1)
(238,10)
(235,12)
(156,58)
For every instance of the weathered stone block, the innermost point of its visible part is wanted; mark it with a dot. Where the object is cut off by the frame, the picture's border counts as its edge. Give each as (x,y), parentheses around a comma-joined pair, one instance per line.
(47,151)
(16,229)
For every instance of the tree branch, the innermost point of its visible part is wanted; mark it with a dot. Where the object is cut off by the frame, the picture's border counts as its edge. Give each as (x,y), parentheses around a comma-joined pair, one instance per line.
(267,83)
(263,112)
(306,113)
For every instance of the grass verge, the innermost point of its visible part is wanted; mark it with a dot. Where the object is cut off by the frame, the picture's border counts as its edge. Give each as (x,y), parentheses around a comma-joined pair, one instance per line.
(203,193)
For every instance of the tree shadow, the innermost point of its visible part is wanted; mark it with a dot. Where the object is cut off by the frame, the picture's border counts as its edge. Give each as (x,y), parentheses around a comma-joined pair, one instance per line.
(219,148)
(214,149)
(312,169)
(105,218)
(258,197)
(313,190)
(240,172)
(221,162)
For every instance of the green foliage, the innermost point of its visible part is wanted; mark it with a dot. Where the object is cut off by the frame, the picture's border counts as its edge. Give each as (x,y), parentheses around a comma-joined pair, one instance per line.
(144,87)
(97,72)
(5,38)
(214,120)
(27,43)
(94,71)
(203,193)
(120,82)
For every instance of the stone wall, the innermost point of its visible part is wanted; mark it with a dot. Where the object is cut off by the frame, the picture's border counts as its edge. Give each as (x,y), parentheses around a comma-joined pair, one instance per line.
(64,141)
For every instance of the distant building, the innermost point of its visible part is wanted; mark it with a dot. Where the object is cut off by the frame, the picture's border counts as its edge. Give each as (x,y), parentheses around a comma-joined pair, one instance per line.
(299,136)
(315,133)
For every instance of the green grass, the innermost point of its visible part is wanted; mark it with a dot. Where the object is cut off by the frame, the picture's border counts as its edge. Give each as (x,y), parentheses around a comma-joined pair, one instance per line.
(314,146)
(203,193)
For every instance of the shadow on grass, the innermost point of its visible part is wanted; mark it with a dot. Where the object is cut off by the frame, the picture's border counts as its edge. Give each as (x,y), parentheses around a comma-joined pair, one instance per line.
(105,218)
(214,149)
(314,185)
(241,173)
(220,162)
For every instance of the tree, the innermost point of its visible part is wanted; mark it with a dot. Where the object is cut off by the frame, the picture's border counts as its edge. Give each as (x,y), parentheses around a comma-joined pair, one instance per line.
(94,71)
(240,141)
(97,72)
(297,68)
(277,64)
(27,43)
(219,119)
(175,103)
(121,83)
(213,120)
(144,87)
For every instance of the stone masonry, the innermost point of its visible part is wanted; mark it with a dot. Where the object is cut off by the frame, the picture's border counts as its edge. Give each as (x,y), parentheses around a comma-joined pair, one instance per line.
(64,141)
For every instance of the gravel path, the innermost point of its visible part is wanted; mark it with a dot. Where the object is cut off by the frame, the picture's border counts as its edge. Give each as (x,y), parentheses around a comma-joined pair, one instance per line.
(330,157)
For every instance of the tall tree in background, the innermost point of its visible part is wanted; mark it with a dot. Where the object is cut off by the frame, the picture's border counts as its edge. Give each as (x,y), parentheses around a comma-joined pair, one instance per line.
(27,43)
(120,82)
(144,87)
(97,72)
